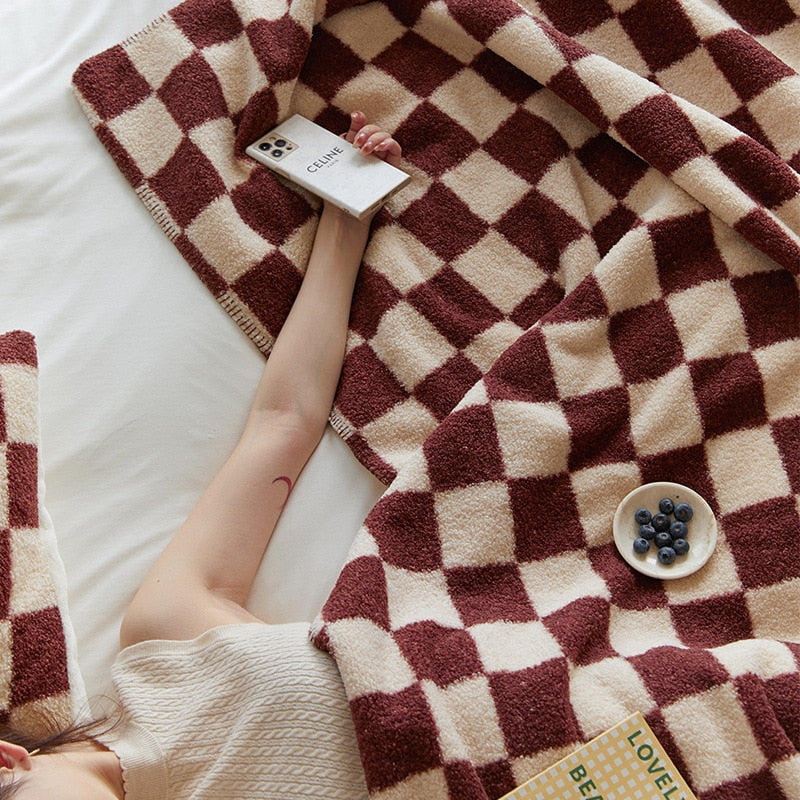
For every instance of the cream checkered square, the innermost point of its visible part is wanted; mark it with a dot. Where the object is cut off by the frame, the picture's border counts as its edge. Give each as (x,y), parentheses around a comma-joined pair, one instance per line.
(740,257)
(409,592)
(557,581)
(492,256)
(632,633)
(595,201)
(349,26)
(708,316)
(581,356)
(157,54)
(413,475)
(511,646)
(663,416)
(149,133)
(714,92)
(4,485)
(265,9)
(707,180)
(526,45)
(604,693)
(29,557)
(776,111)
(20,389)
(615,88)
(560,185)
(404,330)
(307,102)
(6,664)
(460,703)
(693,722)
(787,773)
(297,247)
(638,283)
(770,612)
(598,491)
(230,251)
(475,525)
(360,641)
(486,186)
(405,262)
(572,126)
(765,658)
(655,198)
(437,25)
(764,477)
(237,68)
(377,92)
(609,39)
(534,438)
(471,101)
(776,363)
(487,346)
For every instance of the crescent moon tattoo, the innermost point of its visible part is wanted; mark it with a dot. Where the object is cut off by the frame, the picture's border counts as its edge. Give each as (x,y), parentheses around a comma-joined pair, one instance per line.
(288,482)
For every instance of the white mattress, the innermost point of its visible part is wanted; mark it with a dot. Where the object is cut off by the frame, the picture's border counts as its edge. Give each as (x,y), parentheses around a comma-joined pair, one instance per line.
(144,379)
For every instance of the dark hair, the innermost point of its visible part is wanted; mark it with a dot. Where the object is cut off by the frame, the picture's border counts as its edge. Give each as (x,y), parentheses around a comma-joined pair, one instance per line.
(76,733)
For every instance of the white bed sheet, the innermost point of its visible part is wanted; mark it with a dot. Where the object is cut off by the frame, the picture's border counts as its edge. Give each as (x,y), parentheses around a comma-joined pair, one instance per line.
(144,379)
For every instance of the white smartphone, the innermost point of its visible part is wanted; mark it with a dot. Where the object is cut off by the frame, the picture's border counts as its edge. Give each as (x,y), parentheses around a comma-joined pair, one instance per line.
(327,166)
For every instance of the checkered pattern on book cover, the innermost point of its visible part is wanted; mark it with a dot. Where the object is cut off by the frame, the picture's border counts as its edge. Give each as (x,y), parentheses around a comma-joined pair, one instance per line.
(590,283)
(35,692)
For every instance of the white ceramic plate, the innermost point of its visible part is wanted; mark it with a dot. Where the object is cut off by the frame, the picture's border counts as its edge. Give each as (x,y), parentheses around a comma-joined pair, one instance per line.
(702,536)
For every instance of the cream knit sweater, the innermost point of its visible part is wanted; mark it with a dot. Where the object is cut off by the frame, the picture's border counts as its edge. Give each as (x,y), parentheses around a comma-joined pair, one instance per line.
(246,712)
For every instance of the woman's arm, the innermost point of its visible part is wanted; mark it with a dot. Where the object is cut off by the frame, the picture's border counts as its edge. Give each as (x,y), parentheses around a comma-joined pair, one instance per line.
(204,576)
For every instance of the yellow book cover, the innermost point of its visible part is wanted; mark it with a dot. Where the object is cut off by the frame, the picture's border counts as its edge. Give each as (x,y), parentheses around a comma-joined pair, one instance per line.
(626,762)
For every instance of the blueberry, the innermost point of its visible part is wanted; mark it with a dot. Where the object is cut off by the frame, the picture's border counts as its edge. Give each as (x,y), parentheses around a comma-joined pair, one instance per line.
(660,522)
(666,555)
(681,547)
(641,545)
(642,516)
(647,532)
(663,539)
(679,530)
(666,506)
(683,512)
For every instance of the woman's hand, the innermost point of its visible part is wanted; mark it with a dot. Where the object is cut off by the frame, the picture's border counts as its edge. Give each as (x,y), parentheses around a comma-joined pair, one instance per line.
(369,138)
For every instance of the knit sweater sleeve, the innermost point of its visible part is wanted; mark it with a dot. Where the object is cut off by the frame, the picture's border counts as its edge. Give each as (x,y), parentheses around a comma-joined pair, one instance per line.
(245,710)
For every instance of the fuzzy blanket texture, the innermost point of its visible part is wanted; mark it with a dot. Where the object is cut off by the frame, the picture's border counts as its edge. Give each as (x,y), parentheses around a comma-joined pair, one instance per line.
(35,689)
(591,283)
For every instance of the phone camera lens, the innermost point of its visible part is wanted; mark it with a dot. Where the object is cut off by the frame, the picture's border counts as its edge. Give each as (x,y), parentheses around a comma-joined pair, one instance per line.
(277,153)
(264,146)
(280,143)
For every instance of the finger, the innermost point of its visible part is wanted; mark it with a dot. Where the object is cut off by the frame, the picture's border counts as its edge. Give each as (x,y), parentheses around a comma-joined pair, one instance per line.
(371,142)
(364,134)
(390,151)
(357,121)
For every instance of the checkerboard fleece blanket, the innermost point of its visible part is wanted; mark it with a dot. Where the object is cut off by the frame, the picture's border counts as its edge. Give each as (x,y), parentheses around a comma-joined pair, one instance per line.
(591,283)
(35,688)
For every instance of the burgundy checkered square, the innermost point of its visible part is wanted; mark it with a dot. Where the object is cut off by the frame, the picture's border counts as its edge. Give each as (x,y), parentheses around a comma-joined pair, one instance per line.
(411,49)
(661,31)
(645,341)
(546,519)
(536,708)
(489,594)
(590,283)
(208,22)
(442,655)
